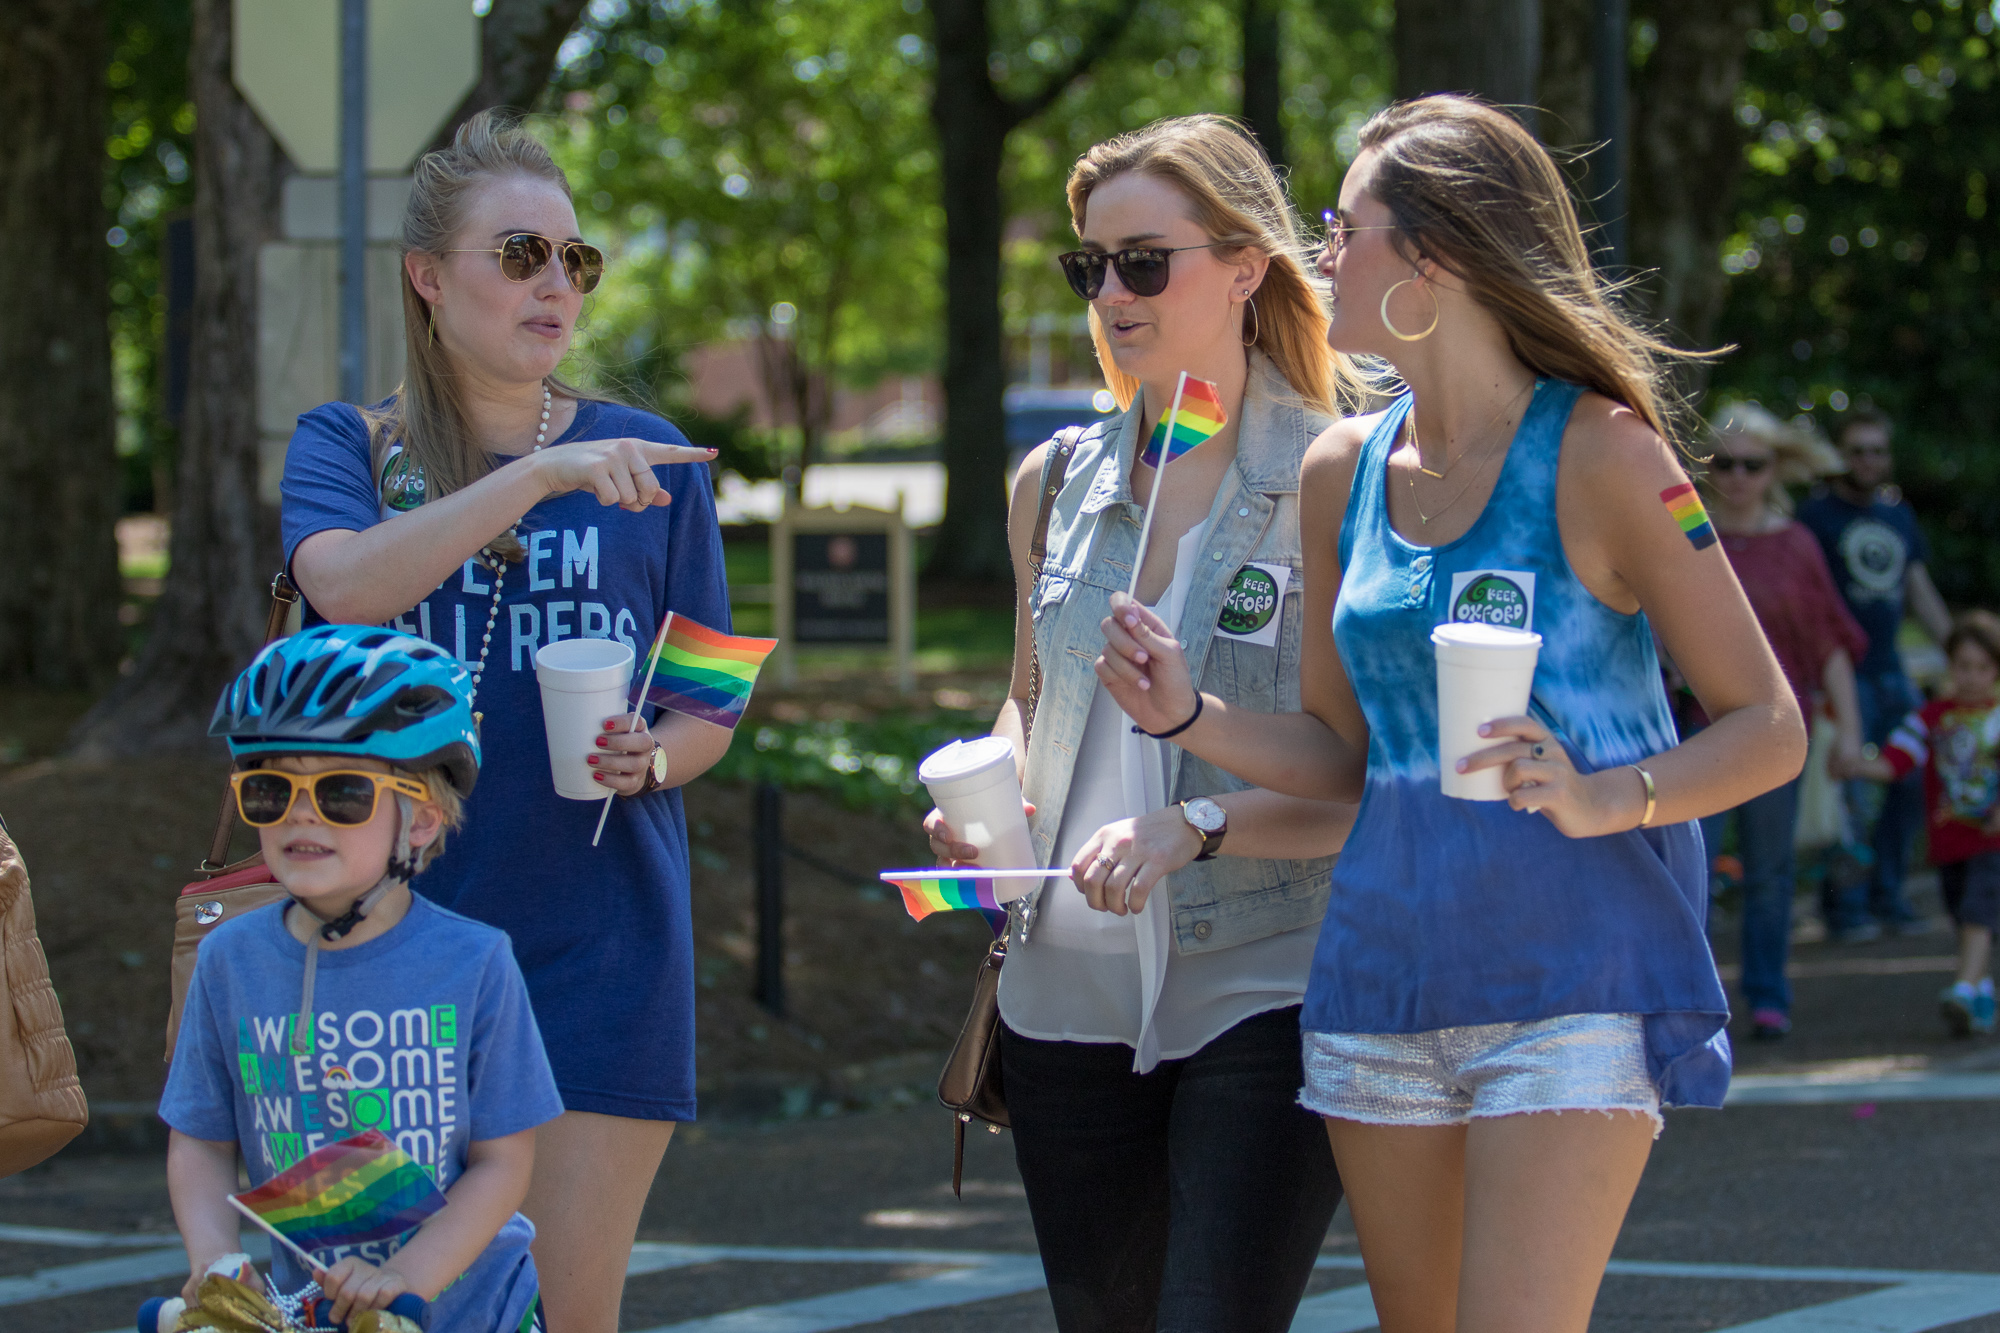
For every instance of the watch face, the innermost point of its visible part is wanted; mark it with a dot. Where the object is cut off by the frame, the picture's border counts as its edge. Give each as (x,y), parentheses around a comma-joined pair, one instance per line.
(659,764)
(1205,815)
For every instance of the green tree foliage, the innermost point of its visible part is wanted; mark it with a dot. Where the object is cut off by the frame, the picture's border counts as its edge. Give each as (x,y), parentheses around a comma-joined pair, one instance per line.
(147,180)
(765,170)
(1866,262)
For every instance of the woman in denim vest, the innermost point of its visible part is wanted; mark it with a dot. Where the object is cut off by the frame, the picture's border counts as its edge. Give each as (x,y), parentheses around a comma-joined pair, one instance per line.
(1150,1044)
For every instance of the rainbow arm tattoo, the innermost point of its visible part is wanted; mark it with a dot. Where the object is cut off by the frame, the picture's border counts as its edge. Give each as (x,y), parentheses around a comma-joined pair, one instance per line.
(1685,505)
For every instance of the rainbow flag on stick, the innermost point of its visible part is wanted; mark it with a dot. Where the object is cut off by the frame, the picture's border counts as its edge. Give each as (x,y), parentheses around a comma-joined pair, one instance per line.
(944,890)
(1200,418)
(701,673)
(359,1189)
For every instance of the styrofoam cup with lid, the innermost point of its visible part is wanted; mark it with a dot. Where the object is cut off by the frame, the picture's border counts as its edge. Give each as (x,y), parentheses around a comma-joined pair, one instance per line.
(978,790)
(1483,672)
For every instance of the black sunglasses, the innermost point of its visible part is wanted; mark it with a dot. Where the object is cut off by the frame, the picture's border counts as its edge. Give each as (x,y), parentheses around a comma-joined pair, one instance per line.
(1751,466)
(524,255)
(1143,269)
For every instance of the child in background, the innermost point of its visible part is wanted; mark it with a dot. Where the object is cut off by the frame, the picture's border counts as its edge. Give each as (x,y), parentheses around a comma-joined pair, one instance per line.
(357,1005)
(1955,740)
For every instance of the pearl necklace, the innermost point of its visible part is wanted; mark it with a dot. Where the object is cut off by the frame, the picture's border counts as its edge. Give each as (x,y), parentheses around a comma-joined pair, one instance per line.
(543,434)
(496,565)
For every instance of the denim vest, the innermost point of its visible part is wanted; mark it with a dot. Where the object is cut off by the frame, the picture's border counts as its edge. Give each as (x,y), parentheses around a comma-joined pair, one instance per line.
(1093,540)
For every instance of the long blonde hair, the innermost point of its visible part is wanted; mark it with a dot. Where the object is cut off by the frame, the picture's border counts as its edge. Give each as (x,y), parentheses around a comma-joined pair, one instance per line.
(1236,197)
(1471,190)
(427,415)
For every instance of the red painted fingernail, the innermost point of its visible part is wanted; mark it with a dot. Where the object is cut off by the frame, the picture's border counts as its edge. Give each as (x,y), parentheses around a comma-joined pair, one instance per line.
(598,776)
(610,723)
(590,759)
(603,744)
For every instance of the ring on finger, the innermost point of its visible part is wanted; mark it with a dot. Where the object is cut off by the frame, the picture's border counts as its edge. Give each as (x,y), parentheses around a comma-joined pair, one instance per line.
(1106,859)
(1538,750)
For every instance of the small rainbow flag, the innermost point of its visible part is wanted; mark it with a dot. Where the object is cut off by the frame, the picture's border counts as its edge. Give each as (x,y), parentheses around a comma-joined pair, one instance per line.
(1682,502)
(943,890)
(706,675)
(1201,418)
(359,1189)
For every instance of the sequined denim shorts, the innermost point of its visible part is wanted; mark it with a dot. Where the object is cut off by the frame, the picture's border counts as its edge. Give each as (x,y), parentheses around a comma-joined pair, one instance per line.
(1578,1062)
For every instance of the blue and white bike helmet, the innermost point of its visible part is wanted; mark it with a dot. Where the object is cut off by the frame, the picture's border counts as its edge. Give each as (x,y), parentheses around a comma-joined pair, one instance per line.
(355,689)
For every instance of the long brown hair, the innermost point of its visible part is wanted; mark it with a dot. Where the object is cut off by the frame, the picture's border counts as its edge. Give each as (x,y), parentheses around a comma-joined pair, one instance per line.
(427,415)
(1474,192)
(1236,197)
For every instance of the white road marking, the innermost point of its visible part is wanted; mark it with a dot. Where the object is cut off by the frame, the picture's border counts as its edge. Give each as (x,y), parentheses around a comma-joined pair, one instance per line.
(1817,1089)
(1908,1301)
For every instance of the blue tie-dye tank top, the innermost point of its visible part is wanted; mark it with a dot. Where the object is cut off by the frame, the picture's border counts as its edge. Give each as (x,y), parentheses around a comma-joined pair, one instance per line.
(1447,912)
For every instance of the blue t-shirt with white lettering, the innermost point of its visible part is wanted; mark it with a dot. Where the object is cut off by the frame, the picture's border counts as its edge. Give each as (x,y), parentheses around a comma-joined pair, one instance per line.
(603,934)
(423,1033)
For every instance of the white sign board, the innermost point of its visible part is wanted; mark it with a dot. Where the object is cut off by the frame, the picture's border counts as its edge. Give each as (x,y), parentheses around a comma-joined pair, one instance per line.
(423,58)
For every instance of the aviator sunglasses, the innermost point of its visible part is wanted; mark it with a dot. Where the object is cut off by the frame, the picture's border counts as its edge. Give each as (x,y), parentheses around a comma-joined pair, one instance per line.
(1143,269)
(264,796)
(1751,466)
(524,255)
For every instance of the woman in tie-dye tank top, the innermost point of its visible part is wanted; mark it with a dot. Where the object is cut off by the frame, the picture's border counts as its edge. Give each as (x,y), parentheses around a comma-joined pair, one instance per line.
(1485,967)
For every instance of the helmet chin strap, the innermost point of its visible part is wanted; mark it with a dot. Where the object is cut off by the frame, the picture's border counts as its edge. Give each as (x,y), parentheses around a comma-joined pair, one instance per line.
(401,869)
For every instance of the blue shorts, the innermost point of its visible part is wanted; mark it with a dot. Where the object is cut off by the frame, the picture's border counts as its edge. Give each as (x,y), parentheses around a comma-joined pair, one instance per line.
(1578,1062)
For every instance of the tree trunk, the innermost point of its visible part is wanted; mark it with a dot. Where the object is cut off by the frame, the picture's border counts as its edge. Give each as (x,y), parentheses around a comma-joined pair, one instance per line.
(1489,47)
(1263,84)
(59,476)
(517,49)
(973,120)
(1687,155)
(1567,95)
(210,615)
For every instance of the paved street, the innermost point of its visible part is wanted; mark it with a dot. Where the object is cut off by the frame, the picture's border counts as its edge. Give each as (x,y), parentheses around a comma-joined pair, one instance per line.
(1847,1188)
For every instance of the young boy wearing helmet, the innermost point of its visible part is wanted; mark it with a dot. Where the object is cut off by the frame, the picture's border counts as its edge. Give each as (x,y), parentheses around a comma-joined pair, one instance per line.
(358,1005)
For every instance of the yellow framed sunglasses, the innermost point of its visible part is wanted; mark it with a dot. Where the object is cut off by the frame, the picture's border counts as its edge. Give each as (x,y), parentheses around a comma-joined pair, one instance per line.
(344,797)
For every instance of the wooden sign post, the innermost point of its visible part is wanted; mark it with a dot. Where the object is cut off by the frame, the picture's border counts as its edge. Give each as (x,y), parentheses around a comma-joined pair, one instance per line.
(844,577)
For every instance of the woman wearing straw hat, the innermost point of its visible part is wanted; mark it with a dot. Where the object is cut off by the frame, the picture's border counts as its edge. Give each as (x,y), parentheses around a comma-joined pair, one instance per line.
(493,509)
(1149,1043)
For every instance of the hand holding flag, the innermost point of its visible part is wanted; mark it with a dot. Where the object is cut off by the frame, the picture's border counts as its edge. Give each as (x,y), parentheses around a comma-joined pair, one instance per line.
(359,1189)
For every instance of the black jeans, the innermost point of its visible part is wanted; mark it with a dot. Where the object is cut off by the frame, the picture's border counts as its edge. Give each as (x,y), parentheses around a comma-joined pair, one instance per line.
(1193,1199)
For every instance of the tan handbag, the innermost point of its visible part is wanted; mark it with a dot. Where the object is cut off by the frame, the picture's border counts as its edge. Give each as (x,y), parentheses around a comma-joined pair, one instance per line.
(41,1103)
(226,889)
(970,1086)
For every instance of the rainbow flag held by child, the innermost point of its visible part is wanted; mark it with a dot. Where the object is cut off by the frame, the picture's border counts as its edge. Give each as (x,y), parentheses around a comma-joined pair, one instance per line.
(359,1189)
(1200,419)
(704,674)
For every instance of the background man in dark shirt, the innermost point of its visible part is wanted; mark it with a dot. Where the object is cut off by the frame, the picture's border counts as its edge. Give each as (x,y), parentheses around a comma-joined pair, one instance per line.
(1878,557)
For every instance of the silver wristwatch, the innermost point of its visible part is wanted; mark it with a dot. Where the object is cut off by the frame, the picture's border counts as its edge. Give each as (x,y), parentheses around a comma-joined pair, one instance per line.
(1208,819)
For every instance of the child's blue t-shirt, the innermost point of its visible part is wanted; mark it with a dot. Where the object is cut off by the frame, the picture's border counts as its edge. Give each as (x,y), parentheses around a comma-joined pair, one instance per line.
(602,932)
(430,1023)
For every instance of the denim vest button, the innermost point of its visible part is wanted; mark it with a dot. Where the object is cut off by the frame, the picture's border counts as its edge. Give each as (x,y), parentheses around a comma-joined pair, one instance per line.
(1202,930)
(1243,513)
(1216,556)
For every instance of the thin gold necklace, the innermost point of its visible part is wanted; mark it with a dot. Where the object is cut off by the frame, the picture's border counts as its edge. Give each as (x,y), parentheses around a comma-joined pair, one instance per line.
(1483,456)
(1417,445)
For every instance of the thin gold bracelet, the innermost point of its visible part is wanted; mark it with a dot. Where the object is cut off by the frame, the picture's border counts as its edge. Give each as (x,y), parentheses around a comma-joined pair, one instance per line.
(1652,794)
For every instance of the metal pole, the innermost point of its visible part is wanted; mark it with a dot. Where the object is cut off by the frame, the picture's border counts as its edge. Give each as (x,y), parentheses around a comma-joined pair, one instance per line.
(1610,55)
(767,832)
(353,199)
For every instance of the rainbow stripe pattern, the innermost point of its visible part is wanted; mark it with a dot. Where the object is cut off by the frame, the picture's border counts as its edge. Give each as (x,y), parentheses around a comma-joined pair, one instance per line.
(947,893)
(1682,502)
(359,1189)
(1200,419)
(704,674)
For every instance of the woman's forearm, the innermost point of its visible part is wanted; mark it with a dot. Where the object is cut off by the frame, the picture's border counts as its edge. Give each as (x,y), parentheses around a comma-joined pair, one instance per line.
(1295,754)
(1846,700)
(1270,825)
(366,577)
(1743,753)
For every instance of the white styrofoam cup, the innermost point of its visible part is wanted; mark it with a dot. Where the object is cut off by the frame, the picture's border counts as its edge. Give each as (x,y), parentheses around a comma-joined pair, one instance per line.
(583,682)
(1483,672)
(975,785)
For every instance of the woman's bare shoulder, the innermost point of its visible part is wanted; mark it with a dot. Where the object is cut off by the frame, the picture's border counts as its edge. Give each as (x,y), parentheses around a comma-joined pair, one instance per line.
(1330,459)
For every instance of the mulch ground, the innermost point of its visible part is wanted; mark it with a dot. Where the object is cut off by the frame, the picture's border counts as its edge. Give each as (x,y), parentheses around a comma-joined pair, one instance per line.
(874,998)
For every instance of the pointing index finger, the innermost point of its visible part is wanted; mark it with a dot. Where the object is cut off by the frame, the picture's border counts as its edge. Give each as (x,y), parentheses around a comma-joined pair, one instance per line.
(657,453)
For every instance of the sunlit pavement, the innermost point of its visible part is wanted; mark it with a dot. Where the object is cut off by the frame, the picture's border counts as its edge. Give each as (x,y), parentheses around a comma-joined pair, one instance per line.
(1846,1188)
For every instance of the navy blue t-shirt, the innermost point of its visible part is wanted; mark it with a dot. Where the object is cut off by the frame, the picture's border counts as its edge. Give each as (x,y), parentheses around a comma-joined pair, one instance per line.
(423,1033)
(603,933)
(1869,548)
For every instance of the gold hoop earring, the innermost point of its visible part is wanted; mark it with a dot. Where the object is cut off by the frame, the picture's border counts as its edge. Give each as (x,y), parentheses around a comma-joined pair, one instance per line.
(1436,313)
(1255,323)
